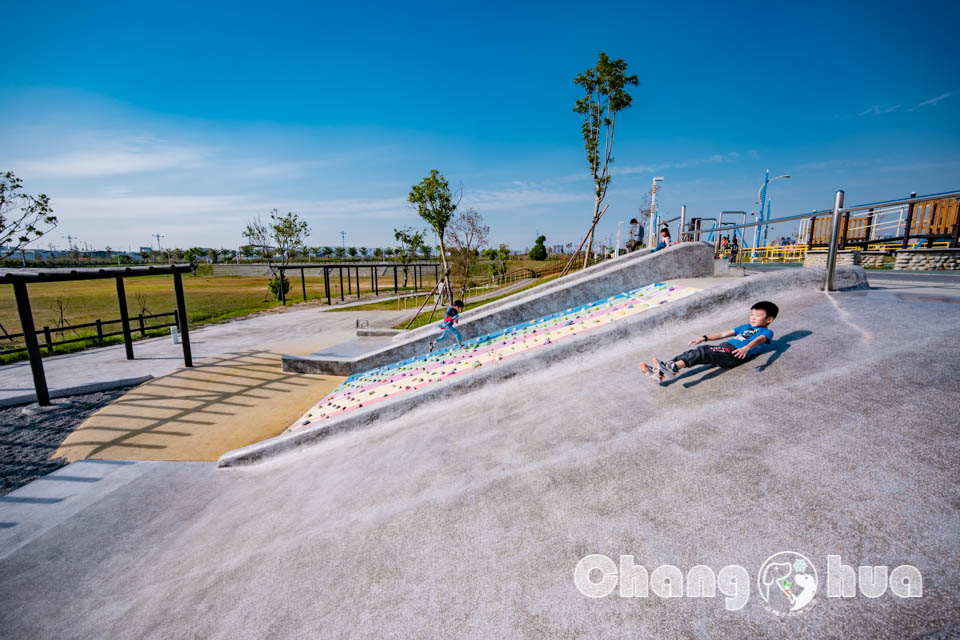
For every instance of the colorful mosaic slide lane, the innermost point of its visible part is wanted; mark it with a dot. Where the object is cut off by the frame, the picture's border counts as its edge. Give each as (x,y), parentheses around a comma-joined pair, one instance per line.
(388,381)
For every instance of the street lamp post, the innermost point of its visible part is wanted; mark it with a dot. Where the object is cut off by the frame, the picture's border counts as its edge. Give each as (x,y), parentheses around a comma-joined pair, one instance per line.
(616,254)
(762,197)
(652,229)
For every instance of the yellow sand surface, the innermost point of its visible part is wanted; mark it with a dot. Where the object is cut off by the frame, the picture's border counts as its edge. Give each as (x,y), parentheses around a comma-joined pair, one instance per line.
(221,403)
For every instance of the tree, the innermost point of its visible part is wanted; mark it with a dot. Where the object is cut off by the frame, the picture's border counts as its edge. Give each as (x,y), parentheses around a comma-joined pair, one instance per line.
(426,251)
(339,251)
(109,251)
(248,250)
(193,254)
(22,216)
(378,253)
(388,251)
(539,250)
(213,255)
(466,233)
(326,252)
(364,251)
(410,242)
(436,203)
(605,87)
(352,251)
(498,261)
(284,234)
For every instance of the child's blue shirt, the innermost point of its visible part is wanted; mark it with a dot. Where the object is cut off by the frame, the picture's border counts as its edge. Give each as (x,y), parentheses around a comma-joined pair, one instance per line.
(452,316)
(745,333)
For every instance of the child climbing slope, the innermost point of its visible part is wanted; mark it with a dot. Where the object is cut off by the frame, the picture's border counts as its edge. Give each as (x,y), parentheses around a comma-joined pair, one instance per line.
(452,317)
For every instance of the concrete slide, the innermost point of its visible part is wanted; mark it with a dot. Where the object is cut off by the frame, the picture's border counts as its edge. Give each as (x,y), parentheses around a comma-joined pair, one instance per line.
(687,260)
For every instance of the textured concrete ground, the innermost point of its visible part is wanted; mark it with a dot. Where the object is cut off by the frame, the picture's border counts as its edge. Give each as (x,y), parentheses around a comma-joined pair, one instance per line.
(467,518)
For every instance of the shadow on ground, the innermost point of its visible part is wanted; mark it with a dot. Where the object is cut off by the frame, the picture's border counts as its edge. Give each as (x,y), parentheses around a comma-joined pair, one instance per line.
(225,402)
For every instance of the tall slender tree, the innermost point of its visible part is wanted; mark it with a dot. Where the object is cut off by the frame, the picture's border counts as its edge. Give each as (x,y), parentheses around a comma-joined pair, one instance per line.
(605,88)
(436,203)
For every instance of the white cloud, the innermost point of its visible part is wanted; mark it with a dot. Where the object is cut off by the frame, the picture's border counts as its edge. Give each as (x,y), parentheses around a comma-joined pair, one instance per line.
(932,101)
(716,158)
(133,156)
(518,198)
(879,109)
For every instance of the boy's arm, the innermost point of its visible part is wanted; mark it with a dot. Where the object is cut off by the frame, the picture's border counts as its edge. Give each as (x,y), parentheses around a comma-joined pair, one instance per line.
(745,349)
(713,336)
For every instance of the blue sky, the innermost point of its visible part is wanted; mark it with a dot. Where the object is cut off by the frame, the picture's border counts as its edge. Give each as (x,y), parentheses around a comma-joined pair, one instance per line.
(186,119)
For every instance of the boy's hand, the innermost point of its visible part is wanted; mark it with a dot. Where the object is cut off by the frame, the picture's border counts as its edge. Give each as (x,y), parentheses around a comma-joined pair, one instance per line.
(741,352)
(697,340)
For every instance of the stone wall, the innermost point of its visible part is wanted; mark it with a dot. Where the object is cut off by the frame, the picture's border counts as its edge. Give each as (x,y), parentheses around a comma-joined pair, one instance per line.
(873,259)
(818,258)
(928,259)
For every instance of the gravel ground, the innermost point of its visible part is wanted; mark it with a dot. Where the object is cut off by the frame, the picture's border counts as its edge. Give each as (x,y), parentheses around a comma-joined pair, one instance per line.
(28,441)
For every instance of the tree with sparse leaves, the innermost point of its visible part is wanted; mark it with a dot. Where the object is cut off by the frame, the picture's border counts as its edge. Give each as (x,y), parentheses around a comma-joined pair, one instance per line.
(23,218)
(605,87)
(410,242)
(498,261)
(466,233)
(281,234)
(436,203)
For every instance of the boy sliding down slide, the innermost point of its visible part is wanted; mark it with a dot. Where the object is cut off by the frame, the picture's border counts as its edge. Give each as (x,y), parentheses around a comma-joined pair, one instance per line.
(452,317)
(745,341)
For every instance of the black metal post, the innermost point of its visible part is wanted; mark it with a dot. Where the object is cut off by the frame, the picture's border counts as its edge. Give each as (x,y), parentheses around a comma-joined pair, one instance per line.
(326,284)
(955,240)
(358,283)
(395,290)
(283,294)
(30,338)
(182,314)
(349,283)
(340,269)
(846,230)
(906,229)
(303,282)
(48,338)
(124,319)
(373,280)
(99,330)
(813,223)
(143,330)
(869,230)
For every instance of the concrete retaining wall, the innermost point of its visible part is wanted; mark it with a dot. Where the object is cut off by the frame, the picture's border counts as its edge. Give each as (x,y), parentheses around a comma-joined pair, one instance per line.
(686,260)
(874,259)
(739,291)
(818,258)
(928,259)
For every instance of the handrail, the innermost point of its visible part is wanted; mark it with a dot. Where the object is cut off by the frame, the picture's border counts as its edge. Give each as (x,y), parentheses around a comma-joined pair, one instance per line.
(860,207)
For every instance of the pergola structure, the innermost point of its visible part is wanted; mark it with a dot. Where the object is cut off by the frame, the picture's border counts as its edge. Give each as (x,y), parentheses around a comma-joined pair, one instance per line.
(20,278)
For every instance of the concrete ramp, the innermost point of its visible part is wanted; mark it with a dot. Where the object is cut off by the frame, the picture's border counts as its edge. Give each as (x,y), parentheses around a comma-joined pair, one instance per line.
(388,392)
(687,260)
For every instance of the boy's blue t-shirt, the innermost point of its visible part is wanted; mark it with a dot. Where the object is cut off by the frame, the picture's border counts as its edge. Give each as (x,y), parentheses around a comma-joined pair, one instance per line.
(451,317)
(745,333)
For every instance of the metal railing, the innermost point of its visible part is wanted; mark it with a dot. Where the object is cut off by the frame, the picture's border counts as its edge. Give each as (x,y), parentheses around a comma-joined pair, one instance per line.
(838,212)
(49,343)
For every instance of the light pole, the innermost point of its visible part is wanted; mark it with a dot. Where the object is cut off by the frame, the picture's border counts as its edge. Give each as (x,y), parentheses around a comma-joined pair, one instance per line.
(652,229)
(762,197)
(616,253)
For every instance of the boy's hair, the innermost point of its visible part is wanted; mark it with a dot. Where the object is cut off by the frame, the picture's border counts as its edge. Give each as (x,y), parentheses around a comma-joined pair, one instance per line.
(767,307)
(458,303)
(666,231)
(633,221)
